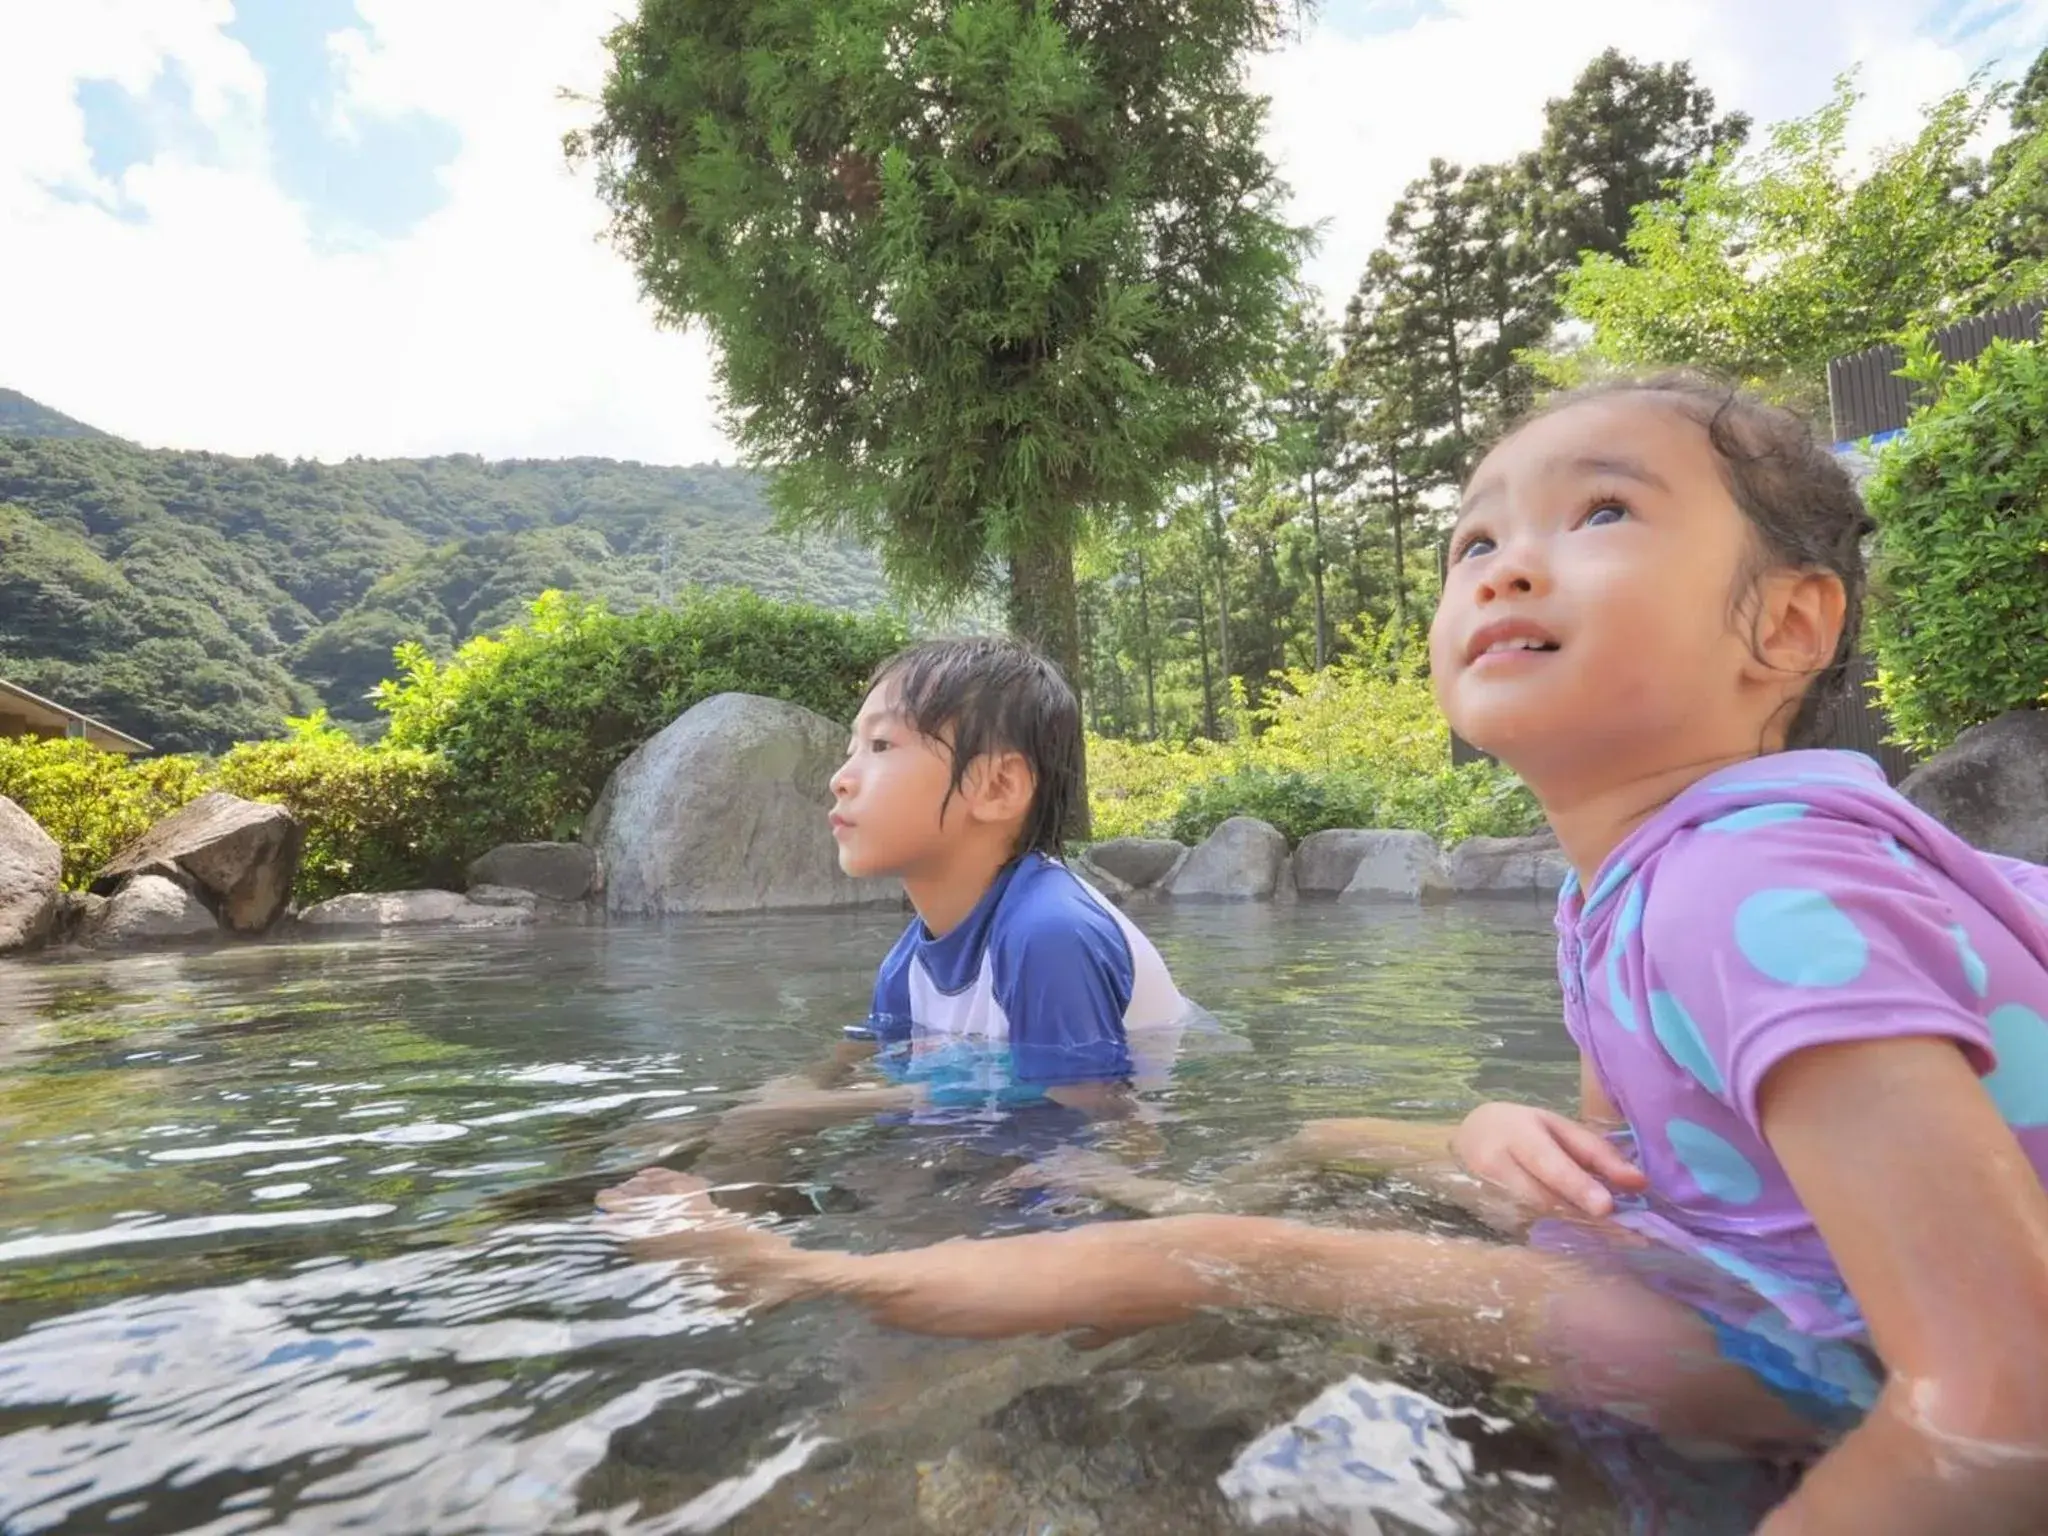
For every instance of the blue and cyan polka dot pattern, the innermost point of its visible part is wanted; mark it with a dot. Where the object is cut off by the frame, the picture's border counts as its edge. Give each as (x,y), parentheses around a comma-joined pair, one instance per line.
(2019,1086)
(1717,1166)
(1800,938)
(1771,907)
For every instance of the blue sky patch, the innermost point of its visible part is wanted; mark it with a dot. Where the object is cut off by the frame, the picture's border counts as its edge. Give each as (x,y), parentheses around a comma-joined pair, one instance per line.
(1377,18)
(357,188)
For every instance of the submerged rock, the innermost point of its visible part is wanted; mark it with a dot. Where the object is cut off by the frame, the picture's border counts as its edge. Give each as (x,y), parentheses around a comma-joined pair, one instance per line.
(1245,859)
(78,912)
(558,871)
(1138,862)
(150,909)
(411,909)
(31,873)
(240,856)
(1508,866)
(1991,787)
(724,811)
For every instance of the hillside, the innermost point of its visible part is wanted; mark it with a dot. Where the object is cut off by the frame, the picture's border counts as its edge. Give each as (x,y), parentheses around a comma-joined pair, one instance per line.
(195,599)
(23,417)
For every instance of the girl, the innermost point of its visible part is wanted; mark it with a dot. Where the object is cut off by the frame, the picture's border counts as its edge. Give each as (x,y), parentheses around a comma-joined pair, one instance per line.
(1821,1017)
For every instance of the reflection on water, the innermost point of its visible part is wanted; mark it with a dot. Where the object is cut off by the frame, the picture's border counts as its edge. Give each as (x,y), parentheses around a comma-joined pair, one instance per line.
(301,1236)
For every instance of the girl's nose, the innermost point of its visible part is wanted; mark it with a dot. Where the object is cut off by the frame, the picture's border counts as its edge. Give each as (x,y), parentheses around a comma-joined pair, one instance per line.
(842,781)
(1515,568)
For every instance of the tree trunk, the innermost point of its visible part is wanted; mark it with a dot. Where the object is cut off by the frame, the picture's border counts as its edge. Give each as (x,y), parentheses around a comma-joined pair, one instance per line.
(1208,682)
(1315,523)
(1043,612)
(1145,647)
(1222,580)
(1394,515)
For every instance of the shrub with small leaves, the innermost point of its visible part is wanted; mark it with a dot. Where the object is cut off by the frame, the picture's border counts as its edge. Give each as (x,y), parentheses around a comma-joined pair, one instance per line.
(1959,610)
(376,818)
(93,802)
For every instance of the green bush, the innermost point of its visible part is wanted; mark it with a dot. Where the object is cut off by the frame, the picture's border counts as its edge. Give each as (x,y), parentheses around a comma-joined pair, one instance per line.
(1295,802)
(1359,744)
(1477,800)
(376,818)
(93,802)
(1959,617)
(532,720)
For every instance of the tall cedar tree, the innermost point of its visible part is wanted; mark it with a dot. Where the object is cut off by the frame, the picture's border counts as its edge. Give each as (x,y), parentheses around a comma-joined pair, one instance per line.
(978,273)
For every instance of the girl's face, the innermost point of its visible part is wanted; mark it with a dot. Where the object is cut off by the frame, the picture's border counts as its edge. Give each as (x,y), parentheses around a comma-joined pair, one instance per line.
(1588,621)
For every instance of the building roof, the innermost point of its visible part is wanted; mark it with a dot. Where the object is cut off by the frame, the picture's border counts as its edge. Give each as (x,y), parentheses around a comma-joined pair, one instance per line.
(54,717)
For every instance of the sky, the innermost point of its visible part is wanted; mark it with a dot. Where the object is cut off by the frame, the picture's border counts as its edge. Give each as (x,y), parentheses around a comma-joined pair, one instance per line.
(322,228)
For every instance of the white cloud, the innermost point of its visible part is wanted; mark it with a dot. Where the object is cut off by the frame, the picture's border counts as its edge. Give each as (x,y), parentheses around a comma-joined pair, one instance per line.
(502,324)
(1354,119)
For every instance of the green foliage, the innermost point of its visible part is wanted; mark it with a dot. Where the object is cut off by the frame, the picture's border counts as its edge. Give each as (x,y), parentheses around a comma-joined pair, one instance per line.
(977,273)
(376,818)
(531,720)
(195,600)
(1959,617)
(1766,266)
(93,802)
(23,417)
(1360,744)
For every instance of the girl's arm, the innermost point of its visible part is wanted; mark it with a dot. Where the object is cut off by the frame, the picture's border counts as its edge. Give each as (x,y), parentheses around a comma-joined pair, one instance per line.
(1940,1226)
(1596,1109)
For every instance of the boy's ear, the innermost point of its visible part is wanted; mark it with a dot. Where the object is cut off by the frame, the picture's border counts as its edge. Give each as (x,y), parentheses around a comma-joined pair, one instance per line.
(1000,787)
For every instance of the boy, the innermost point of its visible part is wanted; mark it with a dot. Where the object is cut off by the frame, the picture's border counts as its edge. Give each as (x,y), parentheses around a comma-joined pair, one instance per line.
(1015,983)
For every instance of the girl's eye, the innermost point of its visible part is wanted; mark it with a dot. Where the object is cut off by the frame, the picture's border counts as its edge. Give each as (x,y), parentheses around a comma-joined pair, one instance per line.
(879,744)
(1477,544)
(1605,513)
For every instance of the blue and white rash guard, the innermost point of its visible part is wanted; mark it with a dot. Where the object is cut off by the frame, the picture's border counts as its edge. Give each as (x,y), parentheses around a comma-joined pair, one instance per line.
(1044,985)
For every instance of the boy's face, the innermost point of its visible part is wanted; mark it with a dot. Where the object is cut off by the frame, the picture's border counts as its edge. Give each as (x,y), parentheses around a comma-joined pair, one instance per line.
(886,796)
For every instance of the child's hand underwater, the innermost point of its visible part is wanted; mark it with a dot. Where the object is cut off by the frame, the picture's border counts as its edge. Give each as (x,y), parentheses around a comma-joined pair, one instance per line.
(1544,1159)
(660,1214)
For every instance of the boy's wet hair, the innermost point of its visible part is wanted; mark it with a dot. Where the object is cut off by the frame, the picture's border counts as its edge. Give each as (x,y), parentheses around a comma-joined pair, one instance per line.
(1797,495)
(987,693)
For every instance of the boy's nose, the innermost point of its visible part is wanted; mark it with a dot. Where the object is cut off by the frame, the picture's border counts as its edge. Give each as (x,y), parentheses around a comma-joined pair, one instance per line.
(842,781)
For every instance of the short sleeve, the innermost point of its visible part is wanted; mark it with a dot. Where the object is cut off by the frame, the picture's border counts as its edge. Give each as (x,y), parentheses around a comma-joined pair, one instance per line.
(1780,928)
(1064,978)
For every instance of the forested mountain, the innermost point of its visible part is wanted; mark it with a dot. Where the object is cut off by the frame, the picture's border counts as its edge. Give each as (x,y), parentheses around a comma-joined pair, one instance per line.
(23,417)
(195,599)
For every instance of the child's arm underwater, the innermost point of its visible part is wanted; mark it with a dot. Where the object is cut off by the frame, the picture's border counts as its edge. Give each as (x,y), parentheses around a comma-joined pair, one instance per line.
(1939,1224)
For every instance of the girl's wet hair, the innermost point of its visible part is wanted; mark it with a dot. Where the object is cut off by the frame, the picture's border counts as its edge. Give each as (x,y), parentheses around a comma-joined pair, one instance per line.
(984,693)
(1795,492)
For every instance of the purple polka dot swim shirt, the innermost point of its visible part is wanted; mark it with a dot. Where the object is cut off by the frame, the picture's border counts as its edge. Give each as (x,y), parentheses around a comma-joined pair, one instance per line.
(1791,901)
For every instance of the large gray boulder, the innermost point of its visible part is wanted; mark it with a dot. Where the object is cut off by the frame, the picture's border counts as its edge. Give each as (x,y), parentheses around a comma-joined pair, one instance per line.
(411,909)
(150,909)
(556,871)
(1991,787)
(1245,859)
(1139,862)
(724,811)
(31,874)
(1399,866)
(239,856)
(1502,866)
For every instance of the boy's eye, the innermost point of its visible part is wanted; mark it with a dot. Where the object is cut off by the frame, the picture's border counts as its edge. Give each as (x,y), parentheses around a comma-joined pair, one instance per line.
(878,744)
(1605,513)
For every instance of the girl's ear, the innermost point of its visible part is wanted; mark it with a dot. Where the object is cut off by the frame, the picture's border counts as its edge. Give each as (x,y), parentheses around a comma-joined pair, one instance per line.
(999,787)
(1800,623)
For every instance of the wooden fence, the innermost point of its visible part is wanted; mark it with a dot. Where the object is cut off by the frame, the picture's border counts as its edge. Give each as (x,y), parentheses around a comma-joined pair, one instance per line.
(1867,398)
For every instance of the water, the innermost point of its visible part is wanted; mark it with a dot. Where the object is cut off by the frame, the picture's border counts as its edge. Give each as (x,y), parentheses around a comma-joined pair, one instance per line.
(300,1236)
